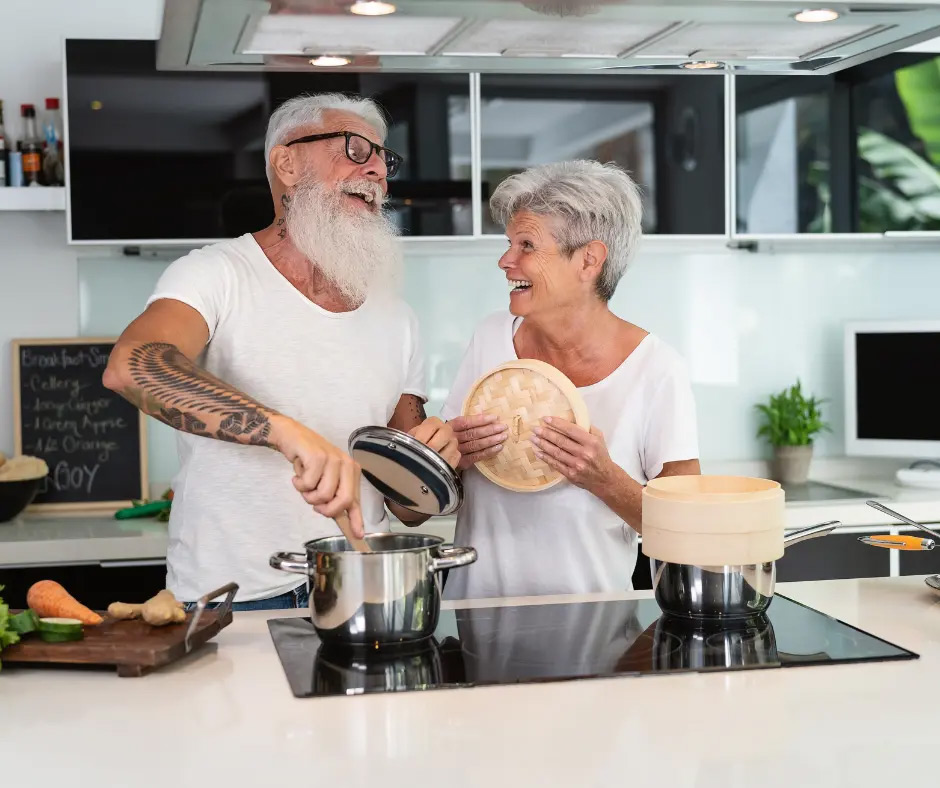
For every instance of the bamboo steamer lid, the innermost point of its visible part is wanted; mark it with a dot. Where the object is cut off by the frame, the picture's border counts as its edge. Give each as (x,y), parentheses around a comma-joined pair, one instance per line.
(520,394)
(713,520)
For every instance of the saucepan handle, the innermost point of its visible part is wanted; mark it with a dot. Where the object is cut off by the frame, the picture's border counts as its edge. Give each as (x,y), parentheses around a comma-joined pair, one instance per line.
(812,532)
(450,556)
(291,562)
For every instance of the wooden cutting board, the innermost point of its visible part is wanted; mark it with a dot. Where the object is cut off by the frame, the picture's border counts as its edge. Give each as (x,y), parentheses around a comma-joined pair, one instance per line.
(520,393)
(133,647)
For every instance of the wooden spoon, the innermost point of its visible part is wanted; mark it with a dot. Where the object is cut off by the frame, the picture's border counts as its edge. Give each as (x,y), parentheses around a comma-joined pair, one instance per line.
(360,545)
(342,520)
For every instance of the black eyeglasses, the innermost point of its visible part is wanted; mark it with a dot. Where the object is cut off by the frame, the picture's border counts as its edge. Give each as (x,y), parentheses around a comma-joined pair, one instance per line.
(358,149)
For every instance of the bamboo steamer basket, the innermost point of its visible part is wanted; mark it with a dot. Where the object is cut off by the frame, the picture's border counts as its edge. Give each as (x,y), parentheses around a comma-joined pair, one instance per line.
(520,394)
(713,520)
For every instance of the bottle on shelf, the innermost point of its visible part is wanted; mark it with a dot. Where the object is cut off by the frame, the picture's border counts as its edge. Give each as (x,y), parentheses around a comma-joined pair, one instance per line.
(31,147)
(53,171)
(3,151)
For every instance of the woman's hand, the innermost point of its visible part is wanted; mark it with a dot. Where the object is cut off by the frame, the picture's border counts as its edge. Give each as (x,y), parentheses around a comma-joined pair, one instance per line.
(439,436)
(580,456)
(478,438)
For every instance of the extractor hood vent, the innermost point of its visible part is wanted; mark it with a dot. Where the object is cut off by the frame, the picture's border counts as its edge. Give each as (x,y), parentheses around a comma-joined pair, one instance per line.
(536,36)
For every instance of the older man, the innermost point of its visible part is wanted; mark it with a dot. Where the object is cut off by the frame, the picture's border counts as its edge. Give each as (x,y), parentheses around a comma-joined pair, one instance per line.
(286,339)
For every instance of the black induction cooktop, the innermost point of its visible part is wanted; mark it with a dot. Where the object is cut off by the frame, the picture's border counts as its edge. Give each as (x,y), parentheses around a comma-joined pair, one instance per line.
(558,642)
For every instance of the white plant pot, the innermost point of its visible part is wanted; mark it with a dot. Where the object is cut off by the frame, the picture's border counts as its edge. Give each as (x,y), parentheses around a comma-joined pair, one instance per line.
(791,464)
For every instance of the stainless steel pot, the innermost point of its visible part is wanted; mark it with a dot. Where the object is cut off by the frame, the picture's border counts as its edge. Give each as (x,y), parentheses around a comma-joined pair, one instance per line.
(391,595)
(731,591)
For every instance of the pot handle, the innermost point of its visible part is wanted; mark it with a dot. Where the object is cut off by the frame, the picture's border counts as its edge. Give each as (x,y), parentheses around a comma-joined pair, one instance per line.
(288,562)
(450,556)
(821,529)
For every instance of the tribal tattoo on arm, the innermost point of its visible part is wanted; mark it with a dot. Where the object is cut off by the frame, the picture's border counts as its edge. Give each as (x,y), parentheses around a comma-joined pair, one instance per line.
(171,388)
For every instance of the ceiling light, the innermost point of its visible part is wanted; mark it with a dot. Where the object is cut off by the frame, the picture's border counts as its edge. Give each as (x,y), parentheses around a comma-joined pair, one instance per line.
(329,60)
(371,8)
(692,65)
(816,15)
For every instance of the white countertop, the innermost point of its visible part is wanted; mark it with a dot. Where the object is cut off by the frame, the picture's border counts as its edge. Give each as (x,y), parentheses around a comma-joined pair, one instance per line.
(225,716)
(50,539)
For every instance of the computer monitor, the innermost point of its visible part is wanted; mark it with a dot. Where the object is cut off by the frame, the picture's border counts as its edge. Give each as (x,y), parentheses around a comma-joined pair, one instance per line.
(892,389)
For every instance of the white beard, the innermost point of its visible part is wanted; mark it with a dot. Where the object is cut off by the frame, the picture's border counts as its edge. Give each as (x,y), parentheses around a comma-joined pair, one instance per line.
(357,251)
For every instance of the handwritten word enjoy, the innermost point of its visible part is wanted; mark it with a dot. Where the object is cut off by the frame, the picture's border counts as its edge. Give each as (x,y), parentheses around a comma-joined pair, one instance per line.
(64,478)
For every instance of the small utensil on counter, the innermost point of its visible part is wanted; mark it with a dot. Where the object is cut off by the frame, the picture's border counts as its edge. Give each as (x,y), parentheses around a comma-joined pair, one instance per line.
(882,508)
(898,542)
(933,583)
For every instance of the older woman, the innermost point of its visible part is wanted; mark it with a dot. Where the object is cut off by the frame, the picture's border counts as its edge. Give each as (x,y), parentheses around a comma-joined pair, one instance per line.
(572,229)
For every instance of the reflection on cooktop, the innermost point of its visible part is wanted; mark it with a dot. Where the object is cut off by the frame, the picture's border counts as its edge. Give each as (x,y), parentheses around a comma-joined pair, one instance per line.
(509,645)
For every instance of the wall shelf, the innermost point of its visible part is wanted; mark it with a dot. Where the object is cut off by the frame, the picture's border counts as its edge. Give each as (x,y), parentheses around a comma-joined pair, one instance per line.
(32,198)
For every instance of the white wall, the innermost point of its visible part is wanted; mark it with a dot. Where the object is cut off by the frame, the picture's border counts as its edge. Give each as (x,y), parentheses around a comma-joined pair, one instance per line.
(748,323)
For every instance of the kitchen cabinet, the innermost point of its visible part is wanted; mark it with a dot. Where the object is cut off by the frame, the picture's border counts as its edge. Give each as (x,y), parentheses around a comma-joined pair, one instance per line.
(926,562)
(95,585)
(834,557)
(666,131)
(857,151)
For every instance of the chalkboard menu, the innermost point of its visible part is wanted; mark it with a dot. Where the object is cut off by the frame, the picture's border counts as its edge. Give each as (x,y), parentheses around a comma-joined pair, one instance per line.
(93,440)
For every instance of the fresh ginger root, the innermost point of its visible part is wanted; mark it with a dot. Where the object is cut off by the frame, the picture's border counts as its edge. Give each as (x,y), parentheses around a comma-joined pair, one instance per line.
(157,611)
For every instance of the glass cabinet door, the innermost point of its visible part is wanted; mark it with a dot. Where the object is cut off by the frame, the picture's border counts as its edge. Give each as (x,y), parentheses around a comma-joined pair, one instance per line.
(667,131)
(857,151)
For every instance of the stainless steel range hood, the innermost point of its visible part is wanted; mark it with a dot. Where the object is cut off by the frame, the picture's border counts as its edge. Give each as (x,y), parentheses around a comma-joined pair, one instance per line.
(539,36)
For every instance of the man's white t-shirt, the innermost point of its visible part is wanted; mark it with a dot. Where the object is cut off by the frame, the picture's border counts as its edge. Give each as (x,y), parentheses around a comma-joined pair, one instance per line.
(235,505)
(564,540)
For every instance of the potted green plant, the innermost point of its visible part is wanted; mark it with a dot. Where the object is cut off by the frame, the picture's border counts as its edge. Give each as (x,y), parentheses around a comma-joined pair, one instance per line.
(790,421)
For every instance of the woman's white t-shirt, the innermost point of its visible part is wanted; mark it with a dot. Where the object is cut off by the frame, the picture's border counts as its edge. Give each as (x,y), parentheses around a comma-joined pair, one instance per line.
(564,540)
(234,505)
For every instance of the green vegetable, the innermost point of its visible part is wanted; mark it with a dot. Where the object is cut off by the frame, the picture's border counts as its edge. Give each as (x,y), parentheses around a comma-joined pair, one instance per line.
(60,630)
(7,636)
(25,622)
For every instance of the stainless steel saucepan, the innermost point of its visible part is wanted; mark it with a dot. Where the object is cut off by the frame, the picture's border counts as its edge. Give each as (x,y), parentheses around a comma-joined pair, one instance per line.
(730,591)
(391,595)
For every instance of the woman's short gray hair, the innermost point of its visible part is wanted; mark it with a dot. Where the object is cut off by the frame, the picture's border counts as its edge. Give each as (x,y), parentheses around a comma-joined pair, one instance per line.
(305,111)
(593,201)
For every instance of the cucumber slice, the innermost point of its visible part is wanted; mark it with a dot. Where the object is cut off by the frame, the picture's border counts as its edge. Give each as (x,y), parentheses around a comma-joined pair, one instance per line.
(25,622)
(60,630)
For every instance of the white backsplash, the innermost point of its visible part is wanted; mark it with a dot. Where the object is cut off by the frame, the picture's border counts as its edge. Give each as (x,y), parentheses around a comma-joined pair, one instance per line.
(747,323)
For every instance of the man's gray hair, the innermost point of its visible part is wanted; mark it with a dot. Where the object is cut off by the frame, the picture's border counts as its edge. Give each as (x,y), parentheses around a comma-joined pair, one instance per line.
(592,201)
(305,111)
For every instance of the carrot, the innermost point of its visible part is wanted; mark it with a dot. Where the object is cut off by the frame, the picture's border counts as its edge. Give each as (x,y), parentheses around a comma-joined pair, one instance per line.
(49,599)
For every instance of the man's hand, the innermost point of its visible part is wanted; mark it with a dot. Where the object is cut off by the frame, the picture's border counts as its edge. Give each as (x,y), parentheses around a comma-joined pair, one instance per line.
(439,436)
(478,438)
(326,477)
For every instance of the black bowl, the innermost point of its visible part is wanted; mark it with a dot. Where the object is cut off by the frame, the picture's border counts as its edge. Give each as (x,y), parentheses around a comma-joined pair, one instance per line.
(16,496)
